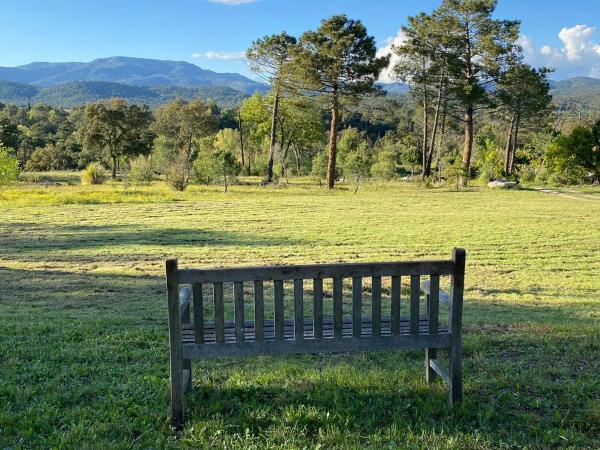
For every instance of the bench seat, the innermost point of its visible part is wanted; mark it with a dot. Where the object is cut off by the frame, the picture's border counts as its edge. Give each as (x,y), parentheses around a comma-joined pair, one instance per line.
(188,336)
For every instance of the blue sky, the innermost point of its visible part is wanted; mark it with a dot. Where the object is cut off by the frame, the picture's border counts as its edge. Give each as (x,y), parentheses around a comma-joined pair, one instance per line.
(214,33)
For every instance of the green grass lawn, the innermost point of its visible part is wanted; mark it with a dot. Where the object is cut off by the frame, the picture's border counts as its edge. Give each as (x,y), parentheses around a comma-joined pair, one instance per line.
(83,330)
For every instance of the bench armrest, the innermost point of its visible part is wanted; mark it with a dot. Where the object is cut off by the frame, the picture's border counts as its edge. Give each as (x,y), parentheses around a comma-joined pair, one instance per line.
(444,296)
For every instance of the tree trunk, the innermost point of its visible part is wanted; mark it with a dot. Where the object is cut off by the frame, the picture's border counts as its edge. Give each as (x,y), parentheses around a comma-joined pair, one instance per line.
(331,163)
(429,159)
(241,139)
(509,141)
(114,167)
(273,137)
(511,163)
(425,145)
(468,148)
(439,147)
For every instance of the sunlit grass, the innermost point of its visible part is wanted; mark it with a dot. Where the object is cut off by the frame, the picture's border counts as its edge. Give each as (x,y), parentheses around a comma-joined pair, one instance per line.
(84,354)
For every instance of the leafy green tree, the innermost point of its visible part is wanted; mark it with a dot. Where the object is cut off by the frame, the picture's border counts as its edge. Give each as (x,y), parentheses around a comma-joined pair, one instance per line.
(117,129)
(9,167)
(223,165)
(254,115)
(525,94)
(478,51)
(268,58)
(357,164)
(386,157)
(9,133)
(338,61)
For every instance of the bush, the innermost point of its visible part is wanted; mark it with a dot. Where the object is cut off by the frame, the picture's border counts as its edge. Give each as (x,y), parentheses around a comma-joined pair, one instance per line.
(180,172)
(93,174)
(51,157)
(385,165)
(319,167)
(141,170)
(9,167)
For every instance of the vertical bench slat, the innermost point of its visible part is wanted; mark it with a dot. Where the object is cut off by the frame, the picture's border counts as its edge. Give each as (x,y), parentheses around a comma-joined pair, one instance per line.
(376,306)
(415,295)
(395,306)
(318,307)
(356,306)
(176,365)
(219,313)
(434,304)
(259,311)
(278,305)
(198,313)
(238,295)
(337,307)
(458,287)
(299,309)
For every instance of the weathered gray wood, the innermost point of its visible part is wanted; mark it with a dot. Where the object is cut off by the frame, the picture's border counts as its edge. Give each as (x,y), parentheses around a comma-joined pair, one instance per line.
(455,366)
(444,296)
(415,297)
(318,307)
(395,308)
(433,318)
(259,311)
(219,308)
(356,306)
(198,299)
(278,306)
(337,307)
(185,297)
(238,298)
(299,309)
(376,305)
(349,344)
(176,366)
(190,276)
(439,370)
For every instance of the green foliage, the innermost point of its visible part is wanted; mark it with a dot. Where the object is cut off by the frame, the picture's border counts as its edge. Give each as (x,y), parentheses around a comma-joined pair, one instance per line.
(489,159)
(319,167)
(221,165)
(141,170)
(93,174)
(51,157)
(357,164)
(9,167)
(570,158)
(180,171)
(384,167)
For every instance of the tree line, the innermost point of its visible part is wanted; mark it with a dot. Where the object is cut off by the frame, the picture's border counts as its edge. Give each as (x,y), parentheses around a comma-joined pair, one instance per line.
(475,109)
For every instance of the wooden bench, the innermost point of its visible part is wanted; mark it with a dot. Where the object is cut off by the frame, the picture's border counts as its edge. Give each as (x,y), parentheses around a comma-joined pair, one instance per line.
(192,335)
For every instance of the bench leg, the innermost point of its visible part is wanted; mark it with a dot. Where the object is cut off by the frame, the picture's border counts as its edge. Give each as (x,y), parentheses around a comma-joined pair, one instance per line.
(456,383)
(430,374)
(187,365)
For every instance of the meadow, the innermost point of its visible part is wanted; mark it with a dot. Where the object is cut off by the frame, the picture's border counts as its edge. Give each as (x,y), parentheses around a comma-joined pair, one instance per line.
(84,341)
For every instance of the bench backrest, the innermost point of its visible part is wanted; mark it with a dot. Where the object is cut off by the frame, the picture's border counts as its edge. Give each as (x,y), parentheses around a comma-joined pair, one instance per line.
(217,337)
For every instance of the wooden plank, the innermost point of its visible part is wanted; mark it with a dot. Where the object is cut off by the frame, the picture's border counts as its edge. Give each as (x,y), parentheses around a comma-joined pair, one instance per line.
(190,276)
(318,307)
(376,306)
(278,306)
(337,307)
(433,317)
(219,308)
(259,311)
(439,370)
(176,356)
(434,304)
(444,296)
(299,309)
(415,296)
(356,307)
(197,296)
(455,366)
(187,379)
(185,297)
(395,309)
(238,298)
(350,344)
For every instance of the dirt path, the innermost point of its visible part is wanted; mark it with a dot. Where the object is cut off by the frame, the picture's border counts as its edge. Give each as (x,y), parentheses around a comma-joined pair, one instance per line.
(569,194)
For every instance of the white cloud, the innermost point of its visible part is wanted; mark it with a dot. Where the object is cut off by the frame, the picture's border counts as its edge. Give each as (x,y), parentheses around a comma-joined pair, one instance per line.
(387,75)
(233,2)
(579,54)
(223,56)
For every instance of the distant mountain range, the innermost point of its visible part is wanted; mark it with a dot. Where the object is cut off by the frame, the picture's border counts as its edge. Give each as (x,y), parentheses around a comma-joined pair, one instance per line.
(156,82)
